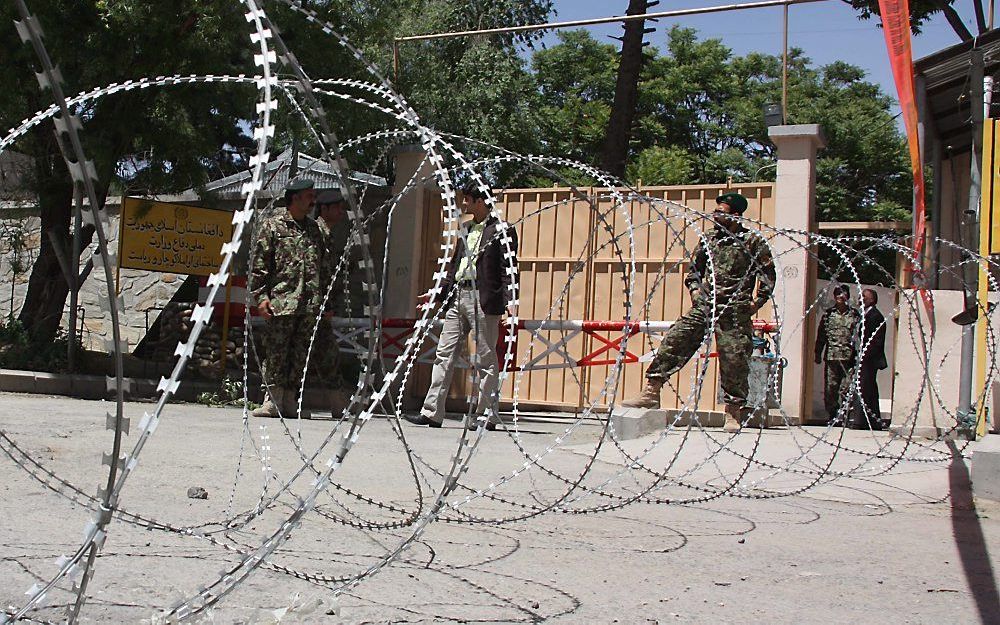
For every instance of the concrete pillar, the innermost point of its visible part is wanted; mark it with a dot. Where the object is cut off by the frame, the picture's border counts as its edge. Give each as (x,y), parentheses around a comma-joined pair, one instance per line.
(795,208)
(406,236)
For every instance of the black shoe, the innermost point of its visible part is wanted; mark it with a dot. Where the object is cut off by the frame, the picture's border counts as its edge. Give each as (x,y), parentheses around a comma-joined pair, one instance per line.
(491,426)
(422,420)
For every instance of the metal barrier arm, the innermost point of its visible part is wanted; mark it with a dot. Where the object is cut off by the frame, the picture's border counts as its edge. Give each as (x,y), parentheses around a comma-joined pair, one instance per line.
(346,331)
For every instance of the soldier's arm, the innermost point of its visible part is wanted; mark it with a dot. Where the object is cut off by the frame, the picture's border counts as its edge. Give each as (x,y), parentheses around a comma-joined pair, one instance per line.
(766,276)
(821,338)
(263,265)
(327,265)
(696,272)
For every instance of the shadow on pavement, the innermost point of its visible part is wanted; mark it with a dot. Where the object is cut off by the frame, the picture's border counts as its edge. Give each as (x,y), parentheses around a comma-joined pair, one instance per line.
(971,541)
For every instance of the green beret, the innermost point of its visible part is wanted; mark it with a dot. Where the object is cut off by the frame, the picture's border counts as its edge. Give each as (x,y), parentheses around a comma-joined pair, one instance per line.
(329,196)
(299,184)
(735,201)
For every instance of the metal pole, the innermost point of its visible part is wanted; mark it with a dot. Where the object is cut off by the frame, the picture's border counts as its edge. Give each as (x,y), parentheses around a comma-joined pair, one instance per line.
(970,235)
(784,69)
(610,20)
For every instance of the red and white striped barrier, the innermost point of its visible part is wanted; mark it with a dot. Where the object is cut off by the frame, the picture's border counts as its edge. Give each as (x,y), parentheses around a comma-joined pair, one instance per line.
(348,332)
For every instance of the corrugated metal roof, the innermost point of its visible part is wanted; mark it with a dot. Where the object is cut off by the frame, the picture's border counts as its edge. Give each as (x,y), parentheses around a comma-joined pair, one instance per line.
(276,177)
(946,76)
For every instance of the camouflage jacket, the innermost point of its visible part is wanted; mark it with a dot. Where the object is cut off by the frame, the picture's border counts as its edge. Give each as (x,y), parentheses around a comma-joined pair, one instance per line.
(837,333)
(288,265)
(335,241)
(740,260)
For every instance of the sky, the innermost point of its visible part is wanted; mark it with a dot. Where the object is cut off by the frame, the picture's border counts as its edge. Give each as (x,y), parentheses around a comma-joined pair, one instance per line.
(826,31)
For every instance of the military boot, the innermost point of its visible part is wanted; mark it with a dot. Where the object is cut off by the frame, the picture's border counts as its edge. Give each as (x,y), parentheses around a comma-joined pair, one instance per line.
(649,397)
(275,397)
(732,419)
(755,417)
(290,407)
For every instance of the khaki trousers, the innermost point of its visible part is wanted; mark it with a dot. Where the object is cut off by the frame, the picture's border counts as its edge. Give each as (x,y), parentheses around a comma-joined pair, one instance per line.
(465,316)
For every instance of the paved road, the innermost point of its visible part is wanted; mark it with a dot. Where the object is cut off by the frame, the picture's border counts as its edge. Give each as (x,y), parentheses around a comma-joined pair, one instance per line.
(902,547)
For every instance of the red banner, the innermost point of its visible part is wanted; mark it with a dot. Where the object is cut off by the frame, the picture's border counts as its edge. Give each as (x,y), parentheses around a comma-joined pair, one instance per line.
(896,25)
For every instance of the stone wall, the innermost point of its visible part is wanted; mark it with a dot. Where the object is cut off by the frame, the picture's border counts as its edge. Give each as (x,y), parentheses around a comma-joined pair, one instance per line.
(143,293)
(206,361)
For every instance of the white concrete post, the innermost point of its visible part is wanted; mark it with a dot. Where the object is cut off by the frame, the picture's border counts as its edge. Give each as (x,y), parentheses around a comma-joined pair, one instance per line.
(795,209)
(405,239)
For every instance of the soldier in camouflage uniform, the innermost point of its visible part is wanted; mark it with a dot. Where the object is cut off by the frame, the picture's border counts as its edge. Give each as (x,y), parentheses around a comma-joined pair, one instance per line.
(286,282)
(332,210)
(740,259)
(836,333)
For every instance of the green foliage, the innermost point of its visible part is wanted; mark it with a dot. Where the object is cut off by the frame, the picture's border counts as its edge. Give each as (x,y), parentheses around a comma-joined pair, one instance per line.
(18,351)
(230,393)
(661,166)
(576,86)
(478,87)
(153,140)
(700,119)
(13,243)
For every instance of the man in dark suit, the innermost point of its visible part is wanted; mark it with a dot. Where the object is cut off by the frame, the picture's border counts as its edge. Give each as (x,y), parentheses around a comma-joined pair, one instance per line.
(480,286)
(872,360)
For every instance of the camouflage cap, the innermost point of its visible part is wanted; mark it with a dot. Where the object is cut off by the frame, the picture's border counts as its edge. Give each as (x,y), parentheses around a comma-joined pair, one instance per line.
(299,184)
(329,196)
(735,201)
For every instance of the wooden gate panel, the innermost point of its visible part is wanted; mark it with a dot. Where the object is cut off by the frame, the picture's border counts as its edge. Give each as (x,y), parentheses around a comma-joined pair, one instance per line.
(562,237)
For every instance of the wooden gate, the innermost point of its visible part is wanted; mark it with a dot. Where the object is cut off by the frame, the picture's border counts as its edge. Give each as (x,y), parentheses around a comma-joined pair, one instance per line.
(569,269)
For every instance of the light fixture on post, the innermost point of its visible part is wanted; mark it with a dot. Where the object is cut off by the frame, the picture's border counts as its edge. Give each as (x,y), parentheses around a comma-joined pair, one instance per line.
(773,115)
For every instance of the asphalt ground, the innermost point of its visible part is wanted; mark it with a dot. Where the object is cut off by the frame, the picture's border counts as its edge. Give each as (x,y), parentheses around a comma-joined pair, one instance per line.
(757,528)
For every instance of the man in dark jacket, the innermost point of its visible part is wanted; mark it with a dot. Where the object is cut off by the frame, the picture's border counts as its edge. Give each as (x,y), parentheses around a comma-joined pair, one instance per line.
(478,290)
(872,351)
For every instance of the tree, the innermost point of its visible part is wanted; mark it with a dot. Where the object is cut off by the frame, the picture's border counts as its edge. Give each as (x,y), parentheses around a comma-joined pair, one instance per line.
(172,137)
(477,87)
(576,83)
(699,119)
(616,141)
(159,141)
(922,10)
(661,166)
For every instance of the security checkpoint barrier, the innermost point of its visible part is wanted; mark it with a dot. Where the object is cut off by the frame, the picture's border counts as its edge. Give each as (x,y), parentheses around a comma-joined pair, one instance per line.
(350,333)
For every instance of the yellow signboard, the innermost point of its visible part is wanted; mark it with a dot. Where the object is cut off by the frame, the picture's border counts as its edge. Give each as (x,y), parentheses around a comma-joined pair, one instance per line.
(174,238)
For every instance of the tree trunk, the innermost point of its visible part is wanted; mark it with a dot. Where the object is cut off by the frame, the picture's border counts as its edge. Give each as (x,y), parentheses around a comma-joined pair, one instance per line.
(41,314)
(616,140)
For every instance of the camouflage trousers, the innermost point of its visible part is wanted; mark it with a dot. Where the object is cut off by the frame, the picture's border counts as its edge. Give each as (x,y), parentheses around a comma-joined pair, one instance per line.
(325,363)
(733,343)
(286,343)
(836,385)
